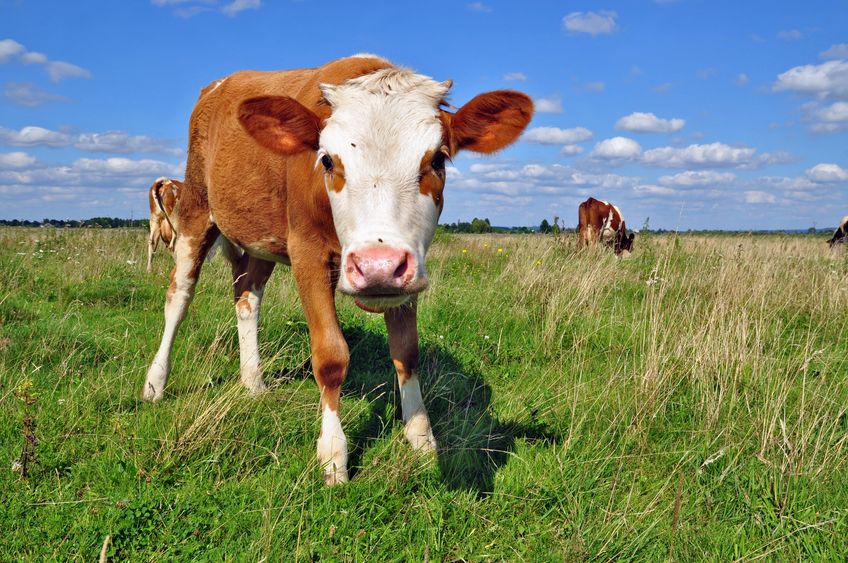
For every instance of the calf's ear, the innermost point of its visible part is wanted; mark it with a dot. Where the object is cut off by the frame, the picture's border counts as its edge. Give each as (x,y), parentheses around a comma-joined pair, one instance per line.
(490,121)
(280,123)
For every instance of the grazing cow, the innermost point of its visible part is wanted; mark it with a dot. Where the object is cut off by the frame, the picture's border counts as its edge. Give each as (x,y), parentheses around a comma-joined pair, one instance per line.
(339,172)
(163,197)
(599,221)
(840,235)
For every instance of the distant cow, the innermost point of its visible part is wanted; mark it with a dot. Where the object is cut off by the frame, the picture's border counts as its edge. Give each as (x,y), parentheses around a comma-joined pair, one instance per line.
(840,235)
(338,171)
(163,197)
(600,221)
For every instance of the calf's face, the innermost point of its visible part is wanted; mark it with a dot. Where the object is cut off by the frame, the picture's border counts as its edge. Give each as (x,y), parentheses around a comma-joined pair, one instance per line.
(383,153)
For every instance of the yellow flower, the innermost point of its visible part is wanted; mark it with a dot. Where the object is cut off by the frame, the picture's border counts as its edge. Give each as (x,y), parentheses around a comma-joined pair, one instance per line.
(500,250)
(464,250)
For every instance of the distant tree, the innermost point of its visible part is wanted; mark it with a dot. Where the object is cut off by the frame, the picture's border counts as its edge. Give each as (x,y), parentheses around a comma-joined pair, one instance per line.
(545,227)
(481,226)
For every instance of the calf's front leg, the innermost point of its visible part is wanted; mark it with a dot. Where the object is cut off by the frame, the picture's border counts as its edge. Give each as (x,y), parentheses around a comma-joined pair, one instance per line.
(403,346)
(316,284)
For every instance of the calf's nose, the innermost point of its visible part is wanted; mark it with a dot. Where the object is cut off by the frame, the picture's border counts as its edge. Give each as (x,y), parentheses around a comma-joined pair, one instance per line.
(379,268)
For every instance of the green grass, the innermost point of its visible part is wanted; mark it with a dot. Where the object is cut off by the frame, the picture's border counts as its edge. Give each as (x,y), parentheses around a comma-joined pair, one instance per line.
(576,398)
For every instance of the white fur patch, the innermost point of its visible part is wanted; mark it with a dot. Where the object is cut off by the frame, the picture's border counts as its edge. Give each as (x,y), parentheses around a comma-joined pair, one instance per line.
(332,448)
(247,313)
(381,126)
(416,422)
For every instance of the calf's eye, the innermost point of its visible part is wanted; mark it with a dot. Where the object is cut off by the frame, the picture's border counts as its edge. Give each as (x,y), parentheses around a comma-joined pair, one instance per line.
(438,162)
(327,162)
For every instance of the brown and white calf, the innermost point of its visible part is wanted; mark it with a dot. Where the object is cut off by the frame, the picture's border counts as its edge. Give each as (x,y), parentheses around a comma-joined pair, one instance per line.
(600,221)
(840,235)
(162,197)
(338,171)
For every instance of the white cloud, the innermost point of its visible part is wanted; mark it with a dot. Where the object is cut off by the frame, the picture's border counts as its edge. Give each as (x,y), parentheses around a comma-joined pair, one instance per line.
(829,118)
(596,86)
(742,79)
(758,197)
(617,148)
(571,150)
(556,136)
(698,178)
(16,160)
(829,79)
(593,23)
(237,6)
(712,155)
(56,70)
(9,49)
(789,35)
(190,8)
(549,105)
(59,70)
(32,57)
(838,51)
(825,173)
(32,136)
(649,123)
(517,76)
(653,189)
(27,94)
(110,141)
(479,7)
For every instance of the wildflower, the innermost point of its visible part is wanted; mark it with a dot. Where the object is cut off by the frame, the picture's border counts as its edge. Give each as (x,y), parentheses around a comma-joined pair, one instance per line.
(485,337)
(500,249)
(464,250)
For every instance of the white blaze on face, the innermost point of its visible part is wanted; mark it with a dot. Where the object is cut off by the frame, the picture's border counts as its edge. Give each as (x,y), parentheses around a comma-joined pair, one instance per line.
(381,126)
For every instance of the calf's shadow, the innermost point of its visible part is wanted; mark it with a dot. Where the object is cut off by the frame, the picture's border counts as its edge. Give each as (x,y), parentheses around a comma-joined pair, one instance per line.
(473,443)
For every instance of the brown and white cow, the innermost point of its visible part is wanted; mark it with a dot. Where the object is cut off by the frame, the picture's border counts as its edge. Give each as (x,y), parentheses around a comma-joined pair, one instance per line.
(840,235)
(600,221)
(163,196)
(338,171)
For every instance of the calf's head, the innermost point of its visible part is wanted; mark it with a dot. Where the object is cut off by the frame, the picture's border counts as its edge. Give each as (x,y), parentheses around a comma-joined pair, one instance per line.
(383,152)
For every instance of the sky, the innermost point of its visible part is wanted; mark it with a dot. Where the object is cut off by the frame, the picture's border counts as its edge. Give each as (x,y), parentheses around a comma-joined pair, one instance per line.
(688,114)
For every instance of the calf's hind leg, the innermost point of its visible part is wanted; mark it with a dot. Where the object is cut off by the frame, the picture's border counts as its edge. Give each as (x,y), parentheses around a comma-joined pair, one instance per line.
(190,250)
(249,277)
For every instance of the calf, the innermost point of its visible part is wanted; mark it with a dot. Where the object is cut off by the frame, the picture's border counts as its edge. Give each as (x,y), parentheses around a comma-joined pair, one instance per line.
(840,235)
(163,197)
(599,221)
(339,172)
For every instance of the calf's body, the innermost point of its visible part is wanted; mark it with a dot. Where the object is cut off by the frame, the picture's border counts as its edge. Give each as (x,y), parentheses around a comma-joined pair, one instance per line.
(337,171)
(600,221)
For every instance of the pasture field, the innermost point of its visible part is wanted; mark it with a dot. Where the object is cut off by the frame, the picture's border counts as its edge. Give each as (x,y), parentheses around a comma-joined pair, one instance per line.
(687,403)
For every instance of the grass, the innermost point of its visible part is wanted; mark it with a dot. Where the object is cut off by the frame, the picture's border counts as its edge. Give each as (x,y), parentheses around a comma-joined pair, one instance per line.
(688,403)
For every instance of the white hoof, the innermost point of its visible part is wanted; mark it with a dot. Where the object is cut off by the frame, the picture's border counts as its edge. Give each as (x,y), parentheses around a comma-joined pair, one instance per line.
(253,382)
(154,385)
(420,435)
(335,477)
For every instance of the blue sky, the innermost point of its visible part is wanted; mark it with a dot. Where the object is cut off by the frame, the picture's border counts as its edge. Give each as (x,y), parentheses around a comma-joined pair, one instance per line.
(695,113)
